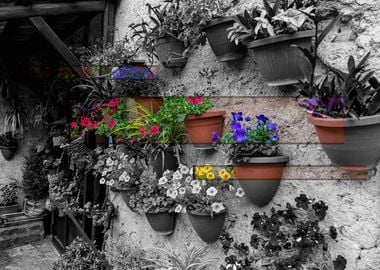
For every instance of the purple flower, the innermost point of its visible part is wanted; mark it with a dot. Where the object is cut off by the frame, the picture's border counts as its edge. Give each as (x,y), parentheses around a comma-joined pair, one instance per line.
(235,125)
(262,118)
(215,137)
(247,118)
(248,128)
(275,136)
(240,136)
(272,125)
(237,116)
(313,101)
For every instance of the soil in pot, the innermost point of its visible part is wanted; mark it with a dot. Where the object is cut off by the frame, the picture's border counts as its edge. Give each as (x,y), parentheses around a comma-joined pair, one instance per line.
(8,152)
(260,178)
(164,160)
(200,128)
(163,222)
(280,63)
(217,37)
(170,52)
(350,143)
(206,226)
(153,104)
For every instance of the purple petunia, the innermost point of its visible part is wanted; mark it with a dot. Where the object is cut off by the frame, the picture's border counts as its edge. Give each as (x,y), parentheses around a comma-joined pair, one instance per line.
(240,136)
(271,125)
(262,118)
(275,136)
(235,125)
(247,118)
(237,116)
(215,137)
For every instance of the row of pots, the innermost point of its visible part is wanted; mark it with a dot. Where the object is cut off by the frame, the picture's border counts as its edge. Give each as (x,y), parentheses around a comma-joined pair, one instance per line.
(279,62)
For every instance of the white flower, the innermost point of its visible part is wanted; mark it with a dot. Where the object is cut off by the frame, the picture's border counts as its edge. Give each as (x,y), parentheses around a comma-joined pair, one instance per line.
(116,162)
(188,179)
(195,183)
(109,162)
(108,183)
(217,207)
(132,160)
(102,181)
(240,192)
(112,182)
(120,166)
(203,183)
(177,175)
(211,191)
(122,155)
(124,177)
(172,193)
(104,173)
(184,169)
(163,180)
(196,189)
(178,209)
(182,191)
(231,188)
(176,185)
(166,172)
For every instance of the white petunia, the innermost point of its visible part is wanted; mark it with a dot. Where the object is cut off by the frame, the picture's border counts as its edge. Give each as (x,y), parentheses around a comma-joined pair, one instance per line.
(195,183)
(211,191)
(104,173)
(172,193)
(240,192)
(166,172)
(163,180)
(176,185)
(182,191)
(217,207)
(124,177)
(132,160)
(196,189)
(112,182)
(177,175)
(102,181)
(188,179)
(178,209)
(184,169)
(109,162)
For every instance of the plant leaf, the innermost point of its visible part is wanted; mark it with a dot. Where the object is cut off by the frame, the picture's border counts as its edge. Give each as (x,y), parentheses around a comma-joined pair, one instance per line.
(327,30)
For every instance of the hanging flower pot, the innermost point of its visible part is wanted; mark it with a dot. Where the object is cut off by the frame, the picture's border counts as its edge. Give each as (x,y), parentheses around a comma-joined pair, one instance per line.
(201,127)
(224,50)
(153,104)
(8,151)
(164,160)
(163,222)
(280,63)
(352,143)
(170,52)
(260,177)
(206,226)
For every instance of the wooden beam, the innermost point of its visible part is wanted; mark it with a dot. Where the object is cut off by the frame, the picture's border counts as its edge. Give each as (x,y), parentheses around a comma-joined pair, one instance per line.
(109,21)
(50,36)
(51,9)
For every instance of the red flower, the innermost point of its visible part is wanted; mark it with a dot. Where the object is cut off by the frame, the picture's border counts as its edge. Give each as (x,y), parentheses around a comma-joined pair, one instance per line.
(111,124)
(195,100)
(107,116)
(84,121)
(114,103)
(155,129)
(73,125)
(95,124)
(142,132)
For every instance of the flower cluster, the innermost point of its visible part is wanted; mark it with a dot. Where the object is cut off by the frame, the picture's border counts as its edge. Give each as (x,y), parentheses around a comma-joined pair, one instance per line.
(113,114)
(209,172)
(117,169)
(131,72)
(148,133)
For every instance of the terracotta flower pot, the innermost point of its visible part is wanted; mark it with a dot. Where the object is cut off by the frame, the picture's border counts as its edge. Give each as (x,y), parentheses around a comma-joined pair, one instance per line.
(163,222)
(280,63)
(165,160)
(206,226)
(260,177)
(169,51)
(352,143)
(201,126)
(8,152)
(153,104)
(224,50)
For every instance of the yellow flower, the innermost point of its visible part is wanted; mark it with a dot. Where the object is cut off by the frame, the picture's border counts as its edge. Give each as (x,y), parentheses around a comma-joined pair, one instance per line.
(201,172)
(225,176)
(233,172)
(210,176)
(222,171)
(207,168)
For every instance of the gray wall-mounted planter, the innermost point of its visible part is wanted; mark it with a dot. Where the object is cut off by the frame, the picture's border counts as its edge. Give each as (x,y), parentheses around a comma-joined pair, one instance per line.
(169,51)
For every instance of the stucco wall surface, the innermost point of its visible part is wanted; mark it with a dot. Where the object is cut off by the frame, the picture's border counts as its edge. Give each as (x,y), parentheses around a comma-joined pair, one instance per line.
(354,205)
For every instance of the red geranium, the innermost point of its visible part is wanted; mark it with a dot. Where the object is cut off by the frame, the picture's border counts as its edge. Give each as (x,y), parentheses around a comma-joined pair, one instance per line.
(111,124)
(113,103)
(84,121)
(73,125)
(155,129)
(195,100)
(142,132)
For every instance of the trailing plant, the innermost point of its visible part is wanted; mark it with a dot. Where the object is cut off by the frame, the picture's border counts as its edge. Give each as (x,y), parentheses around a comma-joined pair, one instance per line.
(16,119)
(79,255)
(140,85)
(34,182)
(8,193)
(284,239)
(283,17)
(193,259)
(246,139)
(8,139)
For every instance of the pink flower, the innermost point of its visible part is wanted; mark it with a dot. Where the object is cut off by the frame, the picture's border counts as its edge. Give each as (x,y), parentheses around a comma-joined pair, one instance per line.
(111,124)
(84,121)
(95,124)
(195,100)
(73,125)
(142,132)
(155,129)
(114,103)
(107,116)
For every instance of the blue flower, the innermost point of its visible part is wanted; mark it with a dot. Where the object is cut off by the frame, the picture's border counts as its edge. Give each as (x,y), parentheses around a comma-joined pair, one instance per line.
(237,116)
(240,136)
(262,118)
(275,136)
(247,118)
(271,125)
(215,137)
(235,125)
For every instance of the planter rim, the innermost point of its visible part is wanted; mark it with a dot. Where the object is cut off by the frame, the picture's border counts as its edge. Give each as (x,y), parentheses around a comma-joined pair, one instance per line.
(8,147)
(147,97)
(344,122)
(219,20)
(265,160)
(166,37)
(160,212)
(8,205)
(198,213)
(209,114)
(280,38)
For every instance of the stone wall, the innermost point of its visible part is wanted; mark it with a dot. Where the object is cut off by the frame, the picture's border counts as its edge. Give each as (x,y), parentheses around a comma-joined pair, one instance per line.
(354,205)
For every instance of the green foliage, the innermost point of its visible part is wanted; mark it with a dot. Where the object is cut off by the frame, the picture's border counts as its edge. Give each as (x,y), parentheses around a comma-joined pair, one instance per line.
(8,140)
(79,256)
(112,114)
(16,120)
(8,193)
(34,182)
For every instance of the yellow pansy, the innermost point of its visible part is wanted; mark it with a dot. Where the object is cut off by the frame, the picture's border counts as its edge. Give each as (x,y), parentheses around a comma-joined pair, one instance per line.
(222,171)
(210,176)
(225,176)
(201,172)
(207,168)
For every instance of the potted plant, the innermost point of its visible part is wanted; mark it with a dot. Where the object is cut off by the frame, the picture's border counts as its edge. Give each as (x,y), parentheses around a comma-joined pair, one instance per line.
(208,17)
(161,39)
(8,145)
(202,199)
(253,148)
(35,184)
(153,202)
(8,198)
(345,110)
(270,32)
